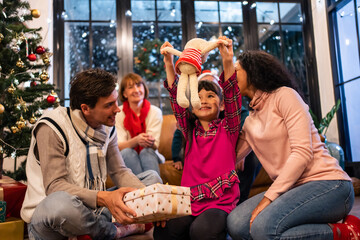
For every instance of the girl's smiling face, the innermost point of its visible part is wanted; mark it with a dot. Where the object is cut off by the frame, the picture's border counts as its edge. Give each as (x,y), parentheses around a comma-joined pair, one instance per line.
(210,106)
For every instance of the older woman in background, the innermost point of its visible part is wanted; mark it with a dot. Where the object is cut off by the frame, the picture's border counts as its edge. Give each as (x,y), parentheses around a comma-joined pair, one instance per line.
(138,126)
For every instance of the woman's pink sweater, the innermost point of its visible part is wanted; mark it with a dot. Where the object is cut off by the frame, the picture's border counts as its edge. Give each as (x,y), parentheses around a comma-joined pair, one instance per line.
(282,134)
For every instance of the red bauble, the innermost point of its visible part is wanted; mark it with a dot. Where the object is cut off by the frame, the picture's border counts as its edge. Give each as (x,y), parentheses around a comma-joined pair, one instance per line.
(50,99)
(40,50)
(33,83)
(32,57)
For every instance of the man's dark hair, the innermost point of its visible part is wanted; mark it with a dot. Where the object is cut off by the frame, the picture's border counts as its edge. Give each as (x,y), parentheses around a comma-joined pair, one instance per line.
(88,86)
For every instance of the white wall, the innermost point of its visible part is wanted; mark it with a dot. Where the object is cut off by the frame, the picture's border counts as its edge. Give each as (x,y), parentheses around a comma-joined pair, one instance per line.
(323,60)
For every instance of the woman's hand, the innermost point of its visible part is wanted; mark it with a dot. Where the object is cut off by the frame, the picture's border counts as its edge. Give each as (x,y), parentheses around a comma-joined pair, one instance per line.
(145,140)
(227,54)
(178,165)
(261,206)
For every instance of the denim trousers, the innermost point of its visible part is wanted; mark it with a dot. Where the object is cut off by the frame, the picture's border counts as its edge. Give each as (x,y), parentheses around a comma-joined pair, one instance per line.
(61,215)
(147,159)
(301,213)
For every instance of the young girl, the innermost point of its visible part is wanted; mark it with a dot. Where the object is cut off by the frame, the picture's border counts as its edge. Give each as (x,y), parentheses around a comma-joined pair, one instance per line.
(209,165)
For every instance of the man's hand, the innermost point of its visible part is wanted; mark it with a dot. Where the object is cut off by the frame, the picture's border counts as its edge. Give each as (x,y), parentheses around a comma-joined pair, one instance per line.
(178,165)
(261,206)
(114,202)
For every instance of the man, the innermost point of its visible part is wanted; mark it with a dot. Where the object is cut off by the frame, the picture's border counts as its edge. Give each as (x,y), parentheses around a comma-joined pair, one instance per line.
(72,150)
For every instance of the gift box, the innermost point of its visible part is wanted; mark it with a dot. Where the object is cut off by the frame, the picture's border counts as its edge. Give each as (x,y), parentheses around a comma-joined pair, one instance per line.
(159,202)
(12,229)
(13,193)
(2,211)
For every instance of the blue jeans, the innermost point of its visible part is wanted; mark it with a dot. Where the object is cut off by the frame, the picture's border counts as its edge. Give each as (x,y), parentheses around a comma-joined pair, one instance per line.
(61,215)
(301,213)
(138,163)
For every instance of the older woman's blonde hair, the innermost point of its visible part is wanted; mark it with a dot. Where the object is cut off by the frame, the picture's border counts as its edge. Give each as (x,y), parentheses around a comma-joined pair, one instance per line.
(134,79)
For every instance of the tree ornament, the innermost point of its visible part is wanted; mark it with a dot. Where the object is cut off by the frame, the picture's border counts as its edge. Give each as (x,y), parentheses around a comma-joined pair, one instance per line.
(1,150)
(44,76)
(40,50)
(20,63)
(12,71)
(46,61)
(22,104)
(2,108)
(21,123)
(1,37)
(35,13)
(11,89)
(0,68)
(33,83)
(51,99)
(32,57)
(14,129)
(15,48)
(22,37)
(33,119)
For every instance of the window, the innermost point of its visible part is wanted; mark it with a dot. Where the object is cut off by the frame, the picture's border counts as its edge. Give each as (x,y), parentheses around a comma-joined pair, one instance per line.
(125,35)
(89,37)
(344,28)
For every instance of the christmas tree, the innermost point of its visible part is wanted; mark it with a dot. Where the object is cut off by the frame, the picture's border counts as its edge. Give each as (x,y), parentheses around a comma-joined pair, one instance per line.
(24,88)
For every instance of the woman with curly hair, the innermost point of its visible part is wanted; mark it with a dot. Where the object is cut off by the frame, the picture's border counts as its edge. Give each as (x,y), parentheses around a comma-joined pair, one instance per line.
(310,193)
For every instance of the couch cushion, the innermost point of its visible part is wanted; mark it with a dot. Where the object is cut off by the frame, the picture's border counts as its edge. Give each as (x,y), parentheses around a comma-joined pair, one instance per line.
(167,133)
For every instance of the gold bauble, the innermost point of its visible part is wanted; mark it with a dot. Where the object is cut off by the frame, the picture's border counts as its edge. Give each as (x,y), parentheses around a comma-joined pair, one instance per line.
(1,37)
(22,37)
(2,108)
(44,76)
(46,61)
(1,150)
(14,129)
(35,13)
(33,119)
(12,71)
(21,123)
(20,63)
(11,89)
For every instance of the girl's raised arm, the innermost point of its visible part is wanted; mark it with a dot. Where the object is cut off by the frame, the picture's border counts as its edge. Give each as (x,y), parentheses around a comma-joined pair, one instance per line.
(227,55)
(169,63)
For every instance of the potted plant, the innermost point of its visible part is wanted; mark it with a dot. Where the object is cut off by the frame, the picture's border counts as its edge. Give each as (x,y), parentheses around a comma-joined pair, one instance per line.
(322,126)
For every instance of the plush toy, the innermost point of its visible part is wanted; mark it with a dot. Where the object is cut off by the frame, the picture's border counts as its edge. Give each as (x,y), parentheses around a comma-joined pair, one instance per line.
(189,67)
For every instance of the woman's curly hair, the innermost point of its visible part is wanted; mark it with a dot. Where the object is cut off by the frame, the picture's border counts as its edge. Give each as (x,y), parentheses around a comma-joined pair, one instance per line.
(265,72)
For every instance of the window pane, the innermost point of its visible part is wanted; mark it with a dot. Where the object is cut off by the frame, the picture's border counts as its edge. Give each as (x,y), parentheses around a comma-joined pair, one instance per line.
(290,13)
(77,10)
(352,102)
(141,32)
(295,54)
(267,12)
(76,53)
(269,39)
(235,33)
(143,10)
(347,40)
(207,31)
(172,33)
(103,9)
(231,12)
(206,11)
(104,47)
(169,10)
